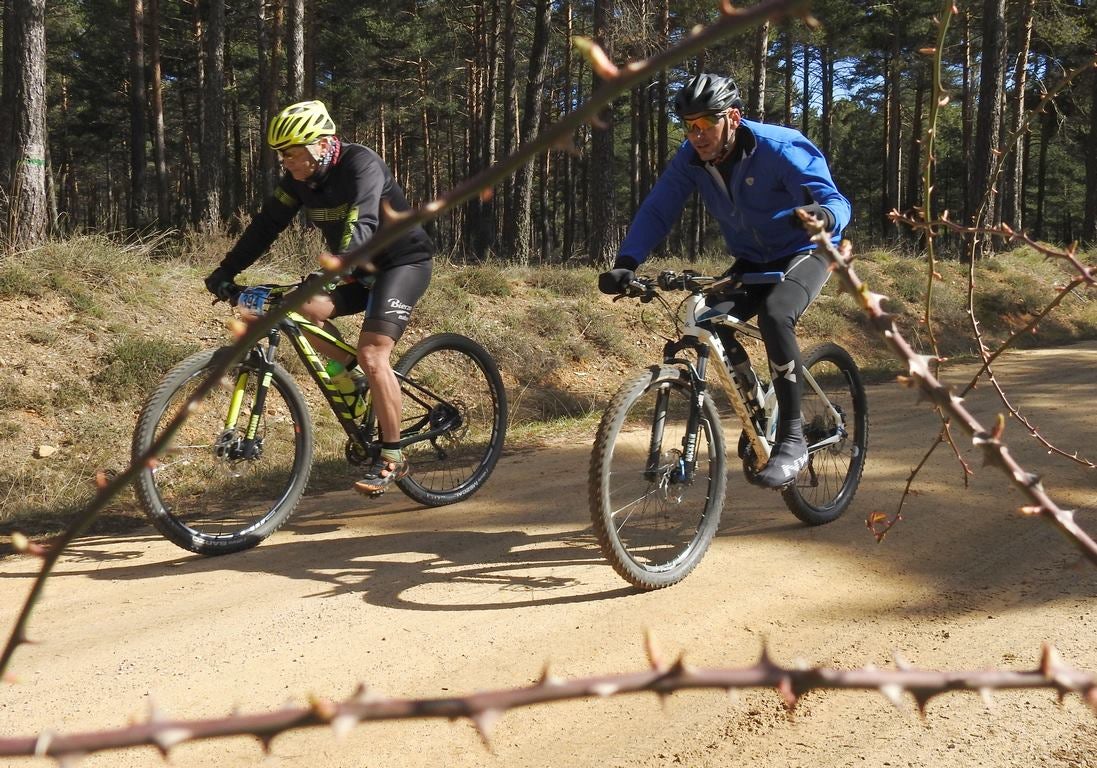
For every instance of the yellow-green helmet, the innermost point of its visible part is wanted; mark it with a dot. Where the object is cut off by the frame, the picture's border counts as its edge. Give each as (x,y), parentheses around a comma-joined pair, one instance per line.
(300,123)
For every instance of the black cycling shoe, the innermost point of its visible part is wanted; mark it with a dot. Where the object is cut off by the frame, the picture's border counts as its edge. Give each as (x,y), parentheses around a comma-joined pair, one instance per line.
(785,463)
(381,475)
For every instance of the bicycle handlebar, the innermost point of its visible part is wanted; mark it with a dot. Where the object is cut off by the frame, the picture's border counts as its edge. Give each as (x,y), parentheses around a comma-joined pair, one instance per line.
(644,288)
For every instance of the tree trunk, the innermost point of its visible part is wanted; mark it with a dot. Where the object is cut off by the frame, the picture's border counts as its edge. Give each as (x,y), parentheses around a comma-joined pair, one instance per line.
(914,156)
(805,102)
(138,129)
(826,111)
(531,126)
(966,112)
(1089,212)
(893,152)
(510,127)
(24,117)
(789,67)
(567,170)
(756,100)
(602,203)
(1014,189)
(211,171)
(159,144)
(988,119)
(295,51)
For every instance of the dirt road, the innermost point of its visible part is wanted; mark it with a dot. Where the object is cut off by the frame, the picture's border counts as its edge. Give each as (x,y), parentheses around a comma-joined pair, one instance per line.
(419,602)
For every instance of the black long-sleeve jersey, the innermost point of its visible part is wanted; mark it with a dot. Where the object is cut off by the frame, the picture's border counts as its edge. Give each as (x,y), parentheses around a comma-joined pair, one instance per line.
(344,204)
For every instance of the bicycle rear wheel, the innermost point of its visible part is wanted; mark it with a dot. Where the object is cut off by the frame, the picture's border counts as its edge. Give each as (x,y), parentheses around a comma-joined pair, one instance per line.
(653,521)
(825,487)
(210,491)
(450,386)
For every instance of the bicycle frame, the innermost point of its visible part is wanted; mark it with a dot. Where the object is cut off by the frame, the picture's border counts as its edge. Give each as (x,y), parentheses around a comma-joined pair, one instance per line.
(751,408)
(436,419)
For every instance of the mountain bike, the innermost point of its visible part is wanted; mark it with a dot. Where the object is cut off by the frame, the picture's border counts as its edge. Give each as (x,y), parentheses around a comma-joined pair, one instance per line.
(658,469)
(235,471)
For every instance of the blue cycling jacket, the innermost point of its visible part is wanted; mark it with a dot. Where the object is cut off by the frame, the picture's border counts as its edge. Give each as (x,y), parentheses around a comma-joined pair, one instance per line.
(781,172)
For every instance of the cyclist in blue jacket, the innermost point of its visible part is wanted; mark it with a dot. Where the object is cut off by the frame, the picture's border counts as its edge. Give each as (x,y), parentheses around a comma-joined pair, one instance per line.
(753,178)
(344,189)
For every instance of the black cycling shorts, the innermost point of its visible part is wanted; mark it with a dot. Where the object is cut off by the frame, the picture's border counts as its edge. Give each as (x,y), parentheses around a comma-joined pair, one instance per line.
(388,301)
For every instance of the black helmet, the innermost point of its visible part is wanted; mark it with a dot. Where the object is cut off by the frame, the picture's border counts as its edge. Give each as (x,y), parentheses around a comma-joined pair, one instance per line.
(706,94)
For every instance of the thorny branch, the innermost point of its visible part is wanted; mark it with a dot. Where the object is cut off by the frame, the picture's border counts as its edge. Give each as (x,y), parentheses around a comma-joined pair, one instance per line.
(485,708)
(928,225)
(930,388)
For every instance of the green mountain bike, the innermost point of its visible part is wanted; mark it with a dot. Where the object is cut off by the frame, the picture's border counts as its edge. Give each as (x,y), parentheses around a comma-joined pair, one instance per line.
(236,470)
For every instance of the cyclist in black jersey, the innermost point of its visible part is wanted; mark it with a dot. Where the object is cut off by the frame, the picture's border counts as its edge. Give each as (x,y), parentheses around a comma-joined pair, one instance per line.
(344,190)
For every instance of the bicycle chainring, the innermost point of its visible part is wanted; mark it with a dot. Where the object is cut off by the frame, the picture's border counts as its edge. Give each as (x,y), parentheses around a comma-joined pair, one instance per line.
(358,453)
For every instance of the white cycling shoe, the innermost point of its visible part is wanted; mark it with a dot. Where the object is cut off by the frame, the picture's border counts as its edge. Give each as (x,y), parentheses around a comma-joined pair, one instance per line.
(785,463)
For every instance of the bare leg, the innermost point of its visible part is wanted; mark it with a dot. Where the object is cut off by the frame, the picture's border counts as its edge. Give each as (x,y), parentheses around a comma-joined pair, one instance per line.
(374,351)
(318,309)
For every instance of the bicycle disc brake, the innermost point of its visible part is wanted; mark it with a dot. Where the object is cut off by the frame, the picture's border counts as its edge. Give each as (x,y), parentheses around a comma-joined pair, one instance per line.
(232,446)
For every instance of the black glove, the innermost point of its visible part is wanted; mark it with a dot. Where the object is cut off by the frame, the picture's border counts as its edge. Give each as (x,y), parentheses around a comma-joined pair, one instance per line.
(815,210)
(616,281)
(221,283)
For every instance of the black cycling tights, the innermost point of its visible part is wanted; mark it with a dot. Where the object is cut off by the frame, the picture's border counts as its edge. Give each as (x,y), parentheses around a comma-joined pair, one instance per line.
(778,307)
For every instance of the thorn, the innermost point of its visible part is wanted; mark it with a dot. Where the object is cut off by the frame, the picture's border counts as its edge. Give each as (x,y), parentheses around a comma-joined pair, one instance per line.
(893,692)
(604,689)
(265,740)
(599,61)
(42,743)
(343,724)
(547,679)
(390,214)
(237,328)
(167,738)
(324,709)
(788,693)
(901,662)
(330,262)
(485,721)
(654,652)
(987,695)
(681,668)
(922,698)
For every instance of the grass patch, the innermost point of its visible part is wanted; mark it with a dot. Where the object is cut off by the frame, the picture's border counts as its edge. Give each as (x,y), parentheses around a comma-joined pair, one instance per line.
(483,280)
(134,365)
(568,283)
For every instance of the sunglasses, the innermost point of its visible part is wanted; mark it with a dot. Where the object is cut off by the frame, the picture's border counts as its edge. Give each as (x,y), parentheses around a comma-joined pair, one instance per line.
(702,123)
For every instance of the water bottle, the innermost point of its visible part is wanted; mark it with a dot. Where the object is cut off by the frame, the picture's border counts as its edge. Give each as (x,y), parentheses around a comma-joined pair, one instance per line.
(350,383)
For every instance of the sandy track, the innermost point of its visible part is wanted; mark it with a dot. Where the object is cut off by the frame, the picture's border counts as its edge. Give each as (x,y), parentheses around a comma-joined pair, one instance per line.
(420,602)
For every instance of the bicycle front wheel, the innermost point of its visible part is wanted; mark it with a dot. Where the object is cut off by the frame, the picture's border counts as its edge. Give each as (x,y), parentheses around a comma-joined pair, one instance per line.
(211,490)
(835,417)
(655,518)
(453,420)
